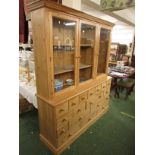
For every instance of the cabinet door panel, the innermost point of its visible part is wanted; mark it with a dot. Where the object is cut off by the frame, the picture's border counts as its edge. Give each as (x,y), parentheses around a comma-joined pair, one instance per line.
(64,52)
(87,46)
(103,50)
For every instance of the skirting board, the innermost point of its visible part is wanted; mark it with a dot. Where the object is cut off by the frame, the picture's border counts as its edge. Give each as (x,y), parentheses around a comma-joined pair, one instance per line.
(60,149)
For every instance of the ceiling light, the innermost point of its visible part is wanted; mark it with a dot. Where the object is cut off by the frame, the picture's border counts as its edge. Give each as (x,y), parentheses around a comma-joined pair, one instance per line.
(69,24)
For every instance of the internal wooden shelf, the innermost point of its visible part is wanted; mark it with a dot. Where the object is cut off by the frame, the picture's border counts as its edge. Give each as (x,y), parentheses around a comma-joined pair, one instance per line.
(62,71)
(83,66)
(86,45)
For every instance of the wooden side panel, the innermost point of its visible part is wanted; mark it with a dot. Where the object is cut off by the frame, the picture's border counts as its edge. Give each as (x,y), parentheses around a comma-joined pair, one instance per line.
(40,29)
(47,121)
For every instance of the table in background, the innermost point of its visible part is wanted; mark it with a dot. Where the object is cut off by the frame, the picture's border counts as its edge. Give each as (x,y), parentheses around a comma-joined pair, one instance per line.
(121,73)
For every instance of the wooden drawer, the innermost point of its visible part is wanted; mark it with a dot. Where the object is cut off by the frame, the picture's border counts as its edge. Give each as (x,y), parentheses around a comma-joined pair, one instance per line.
(98,89)
(108,82)
(91,93)
(83,97)
(74,129)
(83,120)
(92,115)
(62,131)
(77,122)
(80,108)
(104,88)
(62,135)
(62,109)
(63,139)
(107,92)
(100,106)
(93,107)
(99,96)
(106,102)
(63,121)
(73,126)
(73,103)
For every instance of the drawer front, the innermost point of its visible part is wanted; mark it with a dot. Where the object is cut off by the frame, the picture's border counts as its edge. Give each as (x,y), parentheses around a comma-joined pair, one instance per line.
(100,106)
(104,88)
(77,122)
(98,89)
(83,120)
(107,92)
(62,131)
(91,93)
(92,115)
(63,121)
(63,139)
(99,96)
(108,86)
(83,97)
(93,107)
(62,109)
(106,102)
(63,135)
(108,82)
(80,108)
(73,103)
(73,129)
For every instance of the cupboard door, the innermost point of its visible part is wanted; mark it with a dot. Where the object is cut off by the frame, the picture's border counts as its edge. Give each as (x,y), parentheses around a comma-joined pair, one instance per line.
(87,44)
(103,50)
(64,51)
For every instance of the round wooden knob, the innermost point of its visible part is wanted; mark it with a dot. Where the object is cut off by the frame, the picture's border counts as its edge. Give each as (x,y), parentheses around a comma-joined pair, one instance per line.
(64,120)
(61,110)
(73,103)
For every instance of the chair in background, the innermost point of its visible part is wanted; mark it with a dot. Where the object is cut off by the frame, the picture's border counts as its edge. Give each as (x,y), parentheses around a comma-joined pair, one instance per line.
(127,84)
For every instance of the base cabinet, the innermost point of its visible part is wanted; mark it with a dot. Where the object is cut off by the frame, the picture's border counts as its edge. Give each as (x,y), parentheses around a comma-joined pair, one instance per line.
(73,116)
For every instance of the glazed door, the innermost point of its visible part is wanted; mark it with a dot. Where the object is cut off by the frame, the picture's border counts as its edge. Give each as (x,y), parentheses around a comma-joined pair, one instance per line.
(64,52)
(104,43)
(87,48)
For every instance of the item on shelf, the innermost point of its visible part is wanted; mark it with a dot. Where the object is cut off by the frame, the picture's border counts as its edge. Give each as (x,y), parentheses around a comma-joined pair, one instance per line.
(69,82)
(58,83)
(68,41)
(67,48)
(60,48)
(72,48)
(55,47)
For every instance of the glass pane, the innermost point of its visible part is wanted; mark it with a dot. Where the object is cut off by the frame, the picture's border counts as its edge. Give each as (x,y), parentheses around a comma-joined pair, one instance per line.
(103,49)
(86,51)
(64,52)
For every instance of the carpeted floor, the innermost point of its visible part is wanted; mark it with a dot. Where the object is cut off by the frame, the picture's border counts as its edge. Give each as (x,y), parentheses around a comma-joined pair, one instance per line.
(112,134)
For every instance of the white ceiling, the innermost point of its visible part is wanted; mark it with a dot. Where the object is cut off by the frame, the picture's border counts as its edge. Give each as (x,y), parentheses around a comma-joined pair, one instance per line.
(123,17)
(123,30)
